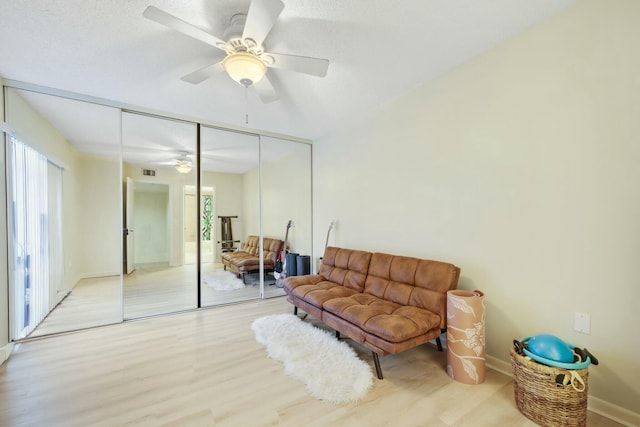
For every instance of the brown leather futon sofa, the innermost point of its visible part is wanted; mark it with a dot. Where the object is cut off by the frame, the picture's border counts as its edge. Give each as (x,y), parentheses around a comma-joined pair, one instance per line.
(247,258)
(385,302)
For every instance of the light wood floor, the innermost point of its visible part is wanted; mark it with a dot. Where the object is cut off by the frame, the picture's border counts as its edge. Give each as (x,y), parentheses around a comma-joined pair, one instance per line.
(148,291)
(204,368)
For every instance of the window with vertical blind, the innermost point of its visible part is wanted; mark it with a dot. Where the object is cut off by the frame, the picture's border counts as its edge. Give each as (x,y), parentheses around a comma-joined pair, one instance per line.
(34,199)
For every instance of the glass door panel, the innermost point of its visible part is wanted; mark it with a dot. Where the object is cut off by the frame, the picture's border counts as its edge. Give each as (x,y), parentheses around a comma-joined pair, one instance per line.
(160,215)
(286,196)
(230,216)
(70,279)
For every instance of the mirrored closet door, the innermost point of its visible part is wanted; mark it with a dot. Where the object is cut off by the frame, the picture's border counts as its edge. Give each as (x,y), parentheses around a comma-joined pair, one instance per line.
(160,215)
(230,215)
(286,203)
(63,189)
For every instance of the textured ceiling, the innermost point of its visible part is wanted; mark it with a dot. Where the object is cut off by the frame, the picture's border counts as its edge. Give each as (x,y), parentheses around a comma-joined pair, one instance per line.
(378,50)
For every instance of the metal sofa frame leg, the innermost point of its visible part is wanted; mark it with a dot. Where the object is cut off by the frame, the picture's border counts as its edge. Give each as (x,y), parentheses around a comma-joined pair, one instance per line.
(438,341)
(376,362)
(376,359)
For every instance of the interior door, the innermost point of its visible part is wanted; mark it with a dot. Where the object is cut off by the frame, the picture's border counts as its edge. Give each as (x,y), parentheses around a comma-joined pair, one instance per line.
(128,231)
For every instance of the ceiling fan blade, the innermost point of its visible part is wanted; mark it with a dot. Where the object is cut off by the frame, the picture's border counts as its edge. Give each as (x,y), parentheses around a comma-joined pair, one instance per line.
(266,91)
(203,73)
(301,64)
(261,17)
(161,17)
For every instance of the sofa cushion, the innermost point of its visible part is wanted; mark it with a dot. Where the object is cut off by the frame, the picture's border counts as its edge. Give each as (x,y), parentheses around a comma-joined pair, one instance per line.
(388,320)
(319,292)
(271,247)
(243,259)
(251,245)
(345,267)
(412,282)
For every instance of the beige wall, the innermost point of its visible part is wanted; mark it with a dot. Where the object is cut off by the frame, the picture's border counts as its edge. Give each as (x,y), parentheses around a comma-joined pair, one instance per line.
(251,204)
(98,192)
(521,167)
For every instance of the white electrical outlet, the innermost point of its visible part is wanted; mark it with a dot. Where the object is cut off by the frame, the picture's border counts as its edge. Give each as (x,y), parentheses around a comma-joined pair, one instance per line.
(582,322)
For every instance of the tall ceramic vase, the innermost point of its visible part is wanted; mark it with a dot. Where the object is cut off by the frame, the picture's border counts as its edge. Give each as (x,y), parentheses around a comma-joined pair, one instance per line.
(465,336)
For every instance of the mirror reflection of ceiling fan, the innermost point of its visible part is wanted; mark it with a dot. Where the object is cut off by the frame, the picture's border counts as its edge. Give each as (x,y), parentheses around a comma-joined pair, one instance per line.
(182,163)
(246,59)
(149,157)
(236,160)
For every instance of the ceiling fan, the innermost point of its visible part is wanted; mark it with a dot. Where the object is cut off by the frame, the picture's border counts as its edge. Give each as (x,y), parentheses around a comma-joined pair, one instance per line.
(246,59)
(181,160)
(182,163)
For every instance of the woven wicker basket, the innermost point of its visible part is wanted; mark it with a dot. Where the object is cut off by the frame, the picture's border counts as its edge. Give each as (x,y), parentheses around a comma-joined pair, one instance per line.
(541,399)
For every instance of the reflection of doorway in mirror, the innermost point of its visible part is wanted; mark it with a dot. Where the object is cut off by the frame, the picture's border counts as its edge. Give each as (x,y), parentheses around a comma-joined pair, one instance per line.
(207,225)
(151,223)
(190,225)
(190,221)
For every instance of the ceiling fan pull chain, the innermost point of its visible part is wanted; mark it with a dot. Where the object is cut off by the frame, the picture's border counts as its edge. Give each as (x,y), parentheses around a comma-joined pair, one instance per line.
(246,107)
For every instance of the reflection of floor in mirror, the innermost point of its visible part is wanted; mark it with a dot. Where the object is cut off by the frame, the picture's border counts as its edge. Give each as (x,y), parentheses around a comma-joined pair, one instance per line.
(190,252)
(92,302)
(148,291)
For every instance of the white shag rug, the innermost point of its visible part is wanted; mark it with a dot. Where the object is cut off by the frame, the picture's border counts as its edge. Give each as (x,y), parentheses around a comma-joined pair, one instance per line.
(330,368)
(222,280)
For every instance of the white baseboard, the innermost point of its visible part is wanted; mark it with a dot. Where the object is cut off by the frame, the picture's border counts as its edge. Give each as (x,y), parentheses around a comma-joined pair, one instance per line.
(614,412)
(499,365)
(594,404)
(5,352)
(96,275)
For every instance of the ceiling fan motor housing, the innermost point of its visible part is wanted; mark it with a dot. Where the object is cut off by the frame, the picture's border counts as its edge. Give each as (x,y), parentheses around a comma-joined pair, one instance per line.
(235,42)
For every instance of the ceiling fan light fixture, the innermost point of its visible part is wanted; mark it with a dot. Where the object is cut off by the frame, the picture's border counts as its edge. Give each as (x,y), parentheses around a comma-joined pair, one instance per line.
(245,68)
(183,166)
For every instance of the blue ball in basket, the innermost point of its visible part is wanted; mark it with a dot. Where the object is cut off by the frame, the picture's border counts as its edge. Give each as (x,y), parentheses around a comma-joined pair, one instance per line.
(550,347)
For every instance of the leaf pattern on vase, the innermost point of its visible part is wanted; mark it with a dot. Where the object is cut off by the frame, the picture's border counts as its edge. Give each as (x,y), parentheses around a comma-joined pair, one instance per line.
(470,369)
(461,305)
(478,350)
(474,337)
